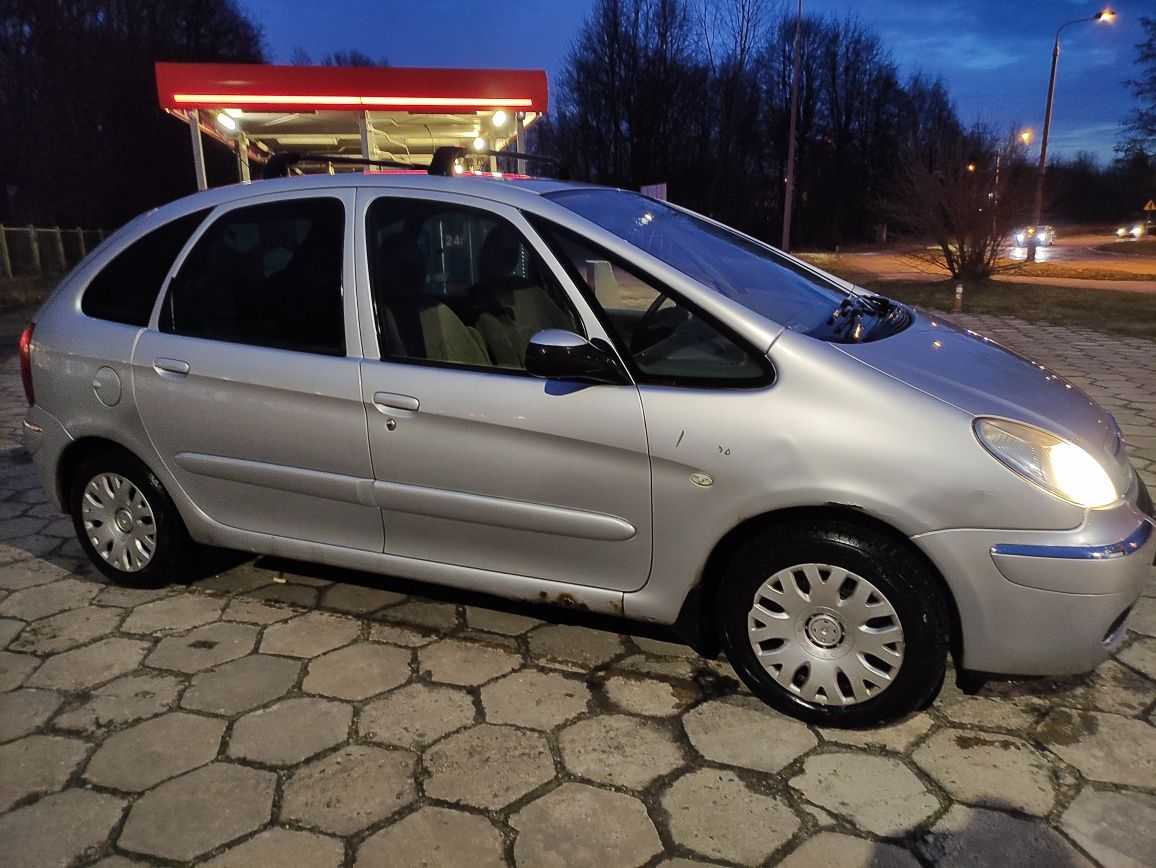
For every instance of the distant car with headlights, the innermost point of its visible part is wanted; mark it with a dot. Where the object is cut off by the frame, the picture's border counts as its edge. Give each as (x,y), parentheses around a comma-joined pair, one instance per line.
(1042,236)
(1135,230)
(574,395)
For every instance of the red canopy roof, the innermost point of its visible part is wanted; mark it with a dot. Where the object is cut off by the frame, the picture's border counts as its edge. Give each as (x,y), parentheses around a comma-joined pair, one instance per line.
(263,88)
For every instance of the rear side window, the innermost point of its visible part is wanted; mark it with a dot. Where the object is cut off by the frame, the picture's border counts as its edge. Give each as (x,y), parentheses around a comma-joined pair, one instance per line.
(268,275)
(126,289)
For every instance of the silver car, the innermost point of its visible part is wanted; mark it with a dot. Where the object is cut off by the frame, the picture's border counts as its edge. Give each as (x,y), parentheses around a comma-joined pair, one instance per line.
(584,397)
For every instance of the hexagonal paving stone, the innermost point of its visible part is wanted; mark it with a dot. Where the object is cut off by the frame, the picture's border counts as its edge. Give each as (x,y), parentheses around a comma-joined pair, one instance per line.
(534,699)
(620,750)
(487,766)
(358,671)
(574,647)
(204,647)
(287,595)
(833,850)
(15,669)
(127,598)
(67,630)
(1143,617)
(130,698)
(435,837)
(416,715)
(242,684)
(397,634)
(43,600)
(309,635)
(57,829)
(897,737)
(744,732)
(154,751)
(714,813)
(199,811)
(990,770)
(85,667)
(290,731)
(255,611)
(350,790)
(180,612)
(9,629)
(878,794)
(555,830)
(1118,829)
(1103,747)
(278,847)
(650,697)
(24,711)
(452,661)
(423,613)
(37,764)
(974,838)
(358,599)
(496,621)
(29,573)
(1141,655)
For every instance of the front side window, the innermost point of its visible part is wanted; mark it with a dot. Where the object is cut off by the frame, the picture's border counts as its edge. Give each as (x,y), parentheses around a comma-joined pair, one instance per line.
(269,275)
(668,341)
(126,289)
(457,285)
(752,274)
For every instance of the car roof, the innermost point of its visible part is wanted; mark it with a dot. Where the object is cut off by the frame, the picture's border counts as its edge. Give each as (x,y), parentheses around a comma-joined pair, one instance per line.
(510,191)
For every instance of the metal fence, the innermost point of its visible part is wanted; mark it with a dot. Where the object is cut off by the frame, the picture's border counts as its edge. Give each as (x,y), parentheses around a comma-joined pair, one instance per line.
(32,251)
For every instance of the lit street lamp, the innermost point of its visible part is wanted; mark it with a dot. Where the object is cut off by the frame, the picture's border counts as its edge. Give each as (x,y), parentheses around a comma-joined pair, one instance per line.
(1037,210)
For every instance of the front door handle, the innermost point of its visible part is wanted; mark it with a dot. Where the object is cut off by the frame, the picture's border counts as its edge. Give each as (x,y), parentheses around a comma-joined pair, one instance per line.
(385,401)
(171,366)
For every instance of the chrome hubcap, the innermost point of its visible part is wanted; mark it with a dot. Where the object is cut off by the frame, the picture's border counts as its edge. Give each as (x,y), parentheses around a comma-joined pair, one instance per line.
(119,522)
(825,634)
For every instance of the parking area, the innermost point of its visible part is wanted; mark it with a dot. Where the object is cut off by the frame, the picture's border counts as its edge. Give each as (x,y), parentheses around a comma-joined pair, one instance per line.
(280,714)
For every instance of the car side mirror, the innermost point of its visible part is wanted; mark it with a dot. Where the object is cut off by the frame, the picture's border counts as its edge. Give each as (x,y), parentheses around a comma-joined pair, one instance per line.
(557,354)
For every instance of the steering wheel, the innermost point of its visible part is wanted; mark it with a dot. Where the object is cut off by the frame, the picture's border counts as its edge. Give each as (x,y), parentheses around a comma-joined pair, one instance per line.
(650,330)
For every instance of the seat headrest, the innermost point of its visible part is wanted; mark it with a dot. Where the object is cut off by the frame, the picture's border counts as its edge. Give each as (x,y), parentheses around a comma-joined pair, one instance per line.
(400,267)
(501,252)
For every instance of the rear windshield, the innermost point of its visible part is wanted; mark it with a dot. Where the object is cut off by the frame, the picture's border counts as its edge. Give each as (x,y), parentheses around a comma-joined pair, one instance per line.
(752,274)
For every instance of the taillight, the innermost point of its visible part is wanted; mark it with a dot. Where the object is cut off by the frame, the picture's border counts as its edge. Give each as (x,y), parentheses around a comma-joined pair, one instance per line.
(26,362)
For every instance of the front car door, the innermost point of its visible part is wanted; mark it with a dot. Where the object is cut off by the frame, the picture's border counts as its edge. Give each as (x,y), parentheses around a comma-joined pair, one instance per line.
(478,464)
(245,380)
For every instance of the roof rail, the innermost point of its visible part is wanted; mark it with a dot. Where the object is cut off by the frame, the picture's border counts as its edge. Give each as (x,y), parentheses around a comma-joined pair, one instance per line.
(445,157)
(279,165)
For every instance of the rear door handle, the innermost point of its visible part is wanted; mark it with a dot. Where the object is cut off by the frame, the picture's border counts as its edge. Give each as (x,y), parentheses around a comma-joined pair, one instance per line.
(171,366)
(390,401)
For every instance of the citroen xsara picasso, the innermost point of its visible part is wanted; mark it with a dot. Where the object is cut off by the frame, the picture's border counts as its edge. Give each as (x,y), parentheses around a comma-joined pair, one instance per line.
(576,395)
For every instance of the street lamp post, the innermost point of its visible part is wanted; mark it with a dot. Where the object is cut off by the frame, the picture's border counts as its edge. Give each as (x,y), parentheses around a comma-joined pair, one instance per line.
(1038,205)
(789,187)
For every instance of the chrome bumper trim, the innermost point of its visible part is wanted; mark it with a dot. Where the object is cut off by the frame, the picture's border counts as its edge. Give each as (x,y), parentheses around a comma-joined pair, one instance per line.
(1132,543)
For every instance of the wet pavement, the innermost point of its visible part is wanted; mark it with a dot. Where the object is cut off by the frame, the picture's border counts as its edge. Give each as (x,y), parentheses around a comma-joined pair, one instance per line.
(281,714)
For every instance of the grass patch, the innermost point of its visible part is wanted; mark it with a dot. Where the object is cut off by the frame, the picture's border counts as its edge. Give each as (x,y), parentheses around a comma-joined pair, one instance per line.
(20,292)
(1059,269)
(1123,313)
(1139,247)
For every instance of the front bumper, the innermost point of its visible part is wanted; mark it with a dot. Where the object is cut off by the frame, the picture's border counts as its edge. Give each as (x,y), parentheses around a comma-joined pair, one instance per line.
(1045,602)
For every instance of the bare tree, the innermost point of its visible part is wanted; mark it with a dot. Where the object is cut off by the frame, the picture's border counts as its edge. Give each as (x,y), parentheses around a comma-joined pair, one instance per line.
(963,206)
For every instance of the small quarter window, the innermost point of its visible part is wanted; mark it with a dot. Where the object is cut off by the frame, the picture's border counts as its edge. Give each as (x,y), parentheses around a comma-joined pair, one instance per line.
(269,275)
(126,289)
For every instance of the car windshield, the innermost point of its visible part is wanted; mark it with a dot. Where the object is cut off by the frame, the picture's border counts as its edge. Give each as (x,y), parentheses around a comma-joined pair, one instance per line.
(755,276)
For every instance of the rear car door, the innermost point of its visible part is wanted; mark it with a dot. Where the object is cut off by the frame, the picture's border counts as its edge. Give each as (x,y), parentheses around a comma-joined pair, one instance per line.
(246,382)
(476,463)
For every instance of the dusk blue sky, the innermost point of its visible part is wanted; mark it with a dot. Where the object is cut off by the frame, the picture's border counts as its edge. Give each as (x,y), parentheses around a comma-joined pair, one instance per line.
(994,55)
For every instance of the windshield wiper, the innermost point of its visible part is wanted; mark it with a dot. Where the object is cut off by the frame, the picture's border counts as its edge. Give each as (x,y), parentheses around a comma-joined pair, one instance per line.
(855,306)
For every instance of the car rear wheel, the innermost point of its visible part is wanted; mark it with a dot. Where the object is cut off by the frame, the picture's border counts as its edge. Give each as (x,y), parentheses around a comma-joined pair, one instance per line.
(127,523)
(834,624)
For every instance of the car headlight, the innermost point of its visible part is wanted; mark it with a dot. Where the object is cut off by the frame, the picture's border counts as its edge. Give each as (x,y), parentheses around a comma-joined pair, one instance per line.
(1052,463)
(1122,231)
(1020,237)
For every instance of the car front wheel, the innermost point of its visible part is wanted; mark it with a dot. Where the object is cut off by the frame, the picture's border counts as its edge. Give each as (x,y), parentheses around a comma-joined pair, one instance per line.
(834,624)
(126,522)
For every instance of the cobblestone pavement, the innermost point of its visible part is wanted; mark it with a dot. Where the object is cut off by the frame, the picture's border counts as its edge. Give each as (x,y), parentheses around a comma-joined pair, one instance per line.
(266,717)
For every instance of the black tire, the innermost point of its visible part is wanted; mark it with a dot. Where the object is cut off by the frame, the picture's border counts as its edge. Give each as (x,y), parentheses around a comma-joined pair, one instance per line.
(171,551)
(913,597)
